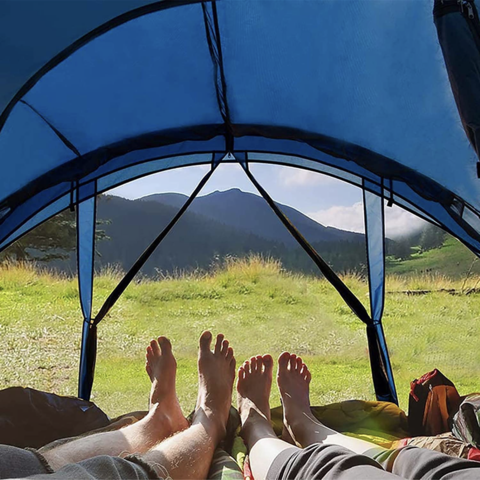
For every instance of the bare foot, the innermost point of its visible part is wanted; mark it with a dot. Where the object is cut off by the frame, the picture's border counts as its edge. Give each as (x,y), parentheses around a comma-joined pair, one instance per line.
(161,367)
(216,373)
(253,388)
(293,381)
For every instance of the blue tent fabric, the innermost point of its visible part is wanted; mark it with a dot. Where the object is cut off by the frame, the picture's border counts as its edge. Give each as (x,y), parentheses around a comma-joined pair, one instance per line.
(373,205)
(359,89)
(86,219)
(375,238)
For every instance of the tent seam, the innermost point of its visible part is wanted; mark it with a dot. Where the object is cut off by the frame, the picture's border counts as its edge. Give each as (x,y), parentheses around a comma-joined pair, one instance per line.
(57,132)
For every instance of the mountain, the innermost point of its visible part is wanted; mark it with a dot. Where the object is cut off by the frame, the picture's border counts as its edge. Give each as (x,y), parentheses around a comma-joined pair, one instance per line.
(194,241)
(215,226)
(250,213)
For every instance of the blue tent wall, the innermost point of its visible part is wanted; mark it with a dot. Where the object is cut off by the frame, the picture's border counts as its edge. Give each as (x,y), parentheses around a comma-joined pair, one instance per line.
(356,89)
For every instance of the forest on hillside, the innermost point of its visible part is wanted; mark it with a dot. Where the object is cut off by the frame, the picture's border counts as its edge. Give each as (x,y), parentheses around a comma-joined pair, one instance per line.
(195,245)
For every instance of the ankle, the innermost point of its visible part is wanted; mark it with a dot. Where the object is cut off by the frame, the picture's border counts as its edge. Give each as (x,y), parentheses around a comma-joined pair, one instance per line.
(212,422)
(255,428)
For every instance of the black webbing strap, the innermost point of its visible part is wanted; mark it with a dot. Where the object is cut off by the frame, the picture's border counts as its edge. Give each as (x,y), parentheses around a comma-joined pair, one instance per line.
(120,288)
(212,31)
(350,299)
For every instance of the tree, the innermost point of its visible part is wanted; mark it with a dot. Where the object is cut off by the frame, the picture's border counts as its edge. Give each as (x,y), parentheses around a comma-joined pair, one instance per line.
(432,237)
(54,239)
(401,248)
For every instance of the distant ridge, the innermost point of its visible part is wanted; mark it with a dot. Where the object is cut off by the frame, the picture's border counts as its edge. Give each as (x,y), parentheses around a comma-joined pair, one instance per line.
(221,224)
(250,213)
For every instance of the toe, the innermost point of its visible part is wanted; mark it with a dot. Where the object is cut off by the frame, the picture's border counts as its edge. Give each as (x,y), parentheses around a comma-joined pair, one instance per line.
(155,348)
(259,363)
(205,341)
(224,347)
(299,364)
(253,365)
(246,367)
(218,343)
(149,353)
(229,353)
(165,345)
(283,361)
(292,362)
(268,363)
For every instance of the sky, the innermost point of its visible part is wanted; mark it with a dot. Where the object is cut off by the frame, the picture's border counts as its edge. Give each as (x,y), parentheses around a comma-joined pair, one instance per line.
(325,199)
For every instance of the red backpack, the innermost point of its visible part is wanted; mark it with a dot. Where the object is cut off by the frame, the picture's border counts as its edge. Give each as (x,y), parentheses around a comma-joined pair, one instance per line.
(433,402)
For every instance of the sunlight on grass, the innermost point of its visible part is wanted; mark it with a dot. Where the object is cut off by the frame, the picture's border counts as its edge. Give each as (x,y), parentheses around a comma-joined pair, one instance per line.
(260,307)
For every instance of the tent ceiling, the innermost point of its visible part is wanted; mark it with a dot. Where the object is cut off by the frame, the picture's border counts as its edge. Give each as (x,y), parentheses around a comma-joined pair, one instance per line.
(365,79)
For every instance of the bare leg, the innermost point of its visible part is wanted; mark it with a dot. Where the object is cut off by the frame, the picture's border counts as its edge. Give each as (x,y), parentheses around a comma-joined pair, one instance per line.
(188,454)
(293,381)
(163,420)
(253,387)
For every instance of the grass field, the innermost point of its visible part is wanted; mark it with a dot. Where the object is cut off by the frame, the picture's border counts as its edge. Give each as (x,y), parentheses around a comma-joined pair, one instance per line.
(259,307)
(453,259)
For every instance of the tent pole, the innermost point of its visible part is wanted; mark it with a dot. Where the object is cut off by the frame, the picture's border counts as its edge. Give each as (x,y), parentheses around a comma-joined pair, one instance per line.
(120,288)
(89,334)
(384,389)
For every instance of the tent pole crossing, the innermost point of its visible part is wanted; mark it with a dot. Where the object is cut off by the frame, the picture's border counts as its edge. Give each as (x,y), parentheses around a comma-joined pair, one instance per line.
(377,349)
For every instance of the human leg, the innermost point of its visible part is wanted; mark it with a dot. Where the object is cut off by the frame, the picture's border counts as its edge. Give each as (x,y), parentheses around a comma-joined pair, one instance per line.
(188,454)
(253,389)
(420,463)
(271,457)
(293,380)
(163,420)
(410,462)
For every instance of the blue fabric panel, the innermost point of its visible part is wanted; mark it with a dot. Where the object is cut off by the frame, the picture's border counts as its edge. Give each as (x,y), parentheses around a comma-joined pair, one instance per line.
(30,208)
(375,238)
(349,70)
(148,154)
(150,74)
(136,171)
(290,160)
(86,251)
(24,45)
(44,214)
(85,191)
(28,148)
(294,148)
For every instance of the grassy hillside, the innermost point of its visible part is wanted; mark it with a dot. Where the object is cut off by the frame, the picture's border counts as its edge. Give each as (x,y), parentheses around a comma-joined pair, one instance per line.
(453,259)
(257,305)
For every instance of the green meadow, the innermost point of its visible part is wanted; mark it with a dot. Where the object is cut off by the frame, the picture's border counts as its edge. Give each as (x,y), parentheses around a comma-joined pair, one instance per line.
(257,305)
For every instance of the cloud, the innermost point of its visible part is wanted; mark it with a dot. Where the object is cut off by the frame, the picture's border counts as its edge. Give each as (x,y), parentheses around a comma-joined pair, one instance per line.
(294,177)
(346,218)
(398,222)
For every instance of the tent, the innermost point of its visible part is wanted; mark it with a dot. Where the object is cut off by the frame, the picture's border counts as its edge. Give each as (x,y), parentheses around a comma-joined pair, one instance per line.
(380,94)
